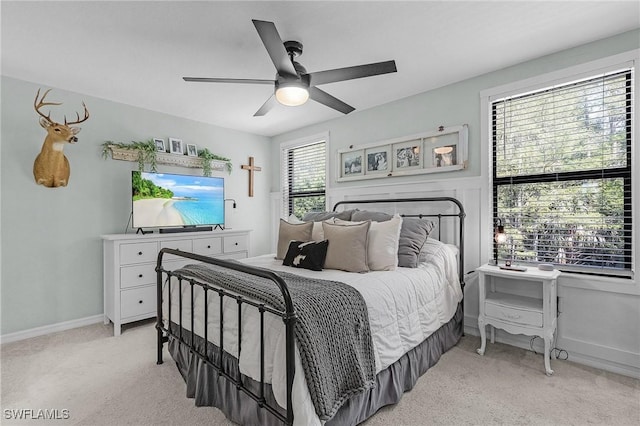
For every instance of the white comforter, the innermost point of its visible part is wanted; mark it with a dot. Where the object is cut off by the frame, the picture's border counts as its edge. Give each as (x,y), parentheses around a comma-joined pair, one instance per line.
(405,306)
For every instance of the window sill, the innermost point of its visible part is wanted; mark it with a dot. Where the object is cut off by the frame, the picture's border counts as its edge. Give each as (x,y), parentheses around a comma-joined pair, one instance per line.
(600,283)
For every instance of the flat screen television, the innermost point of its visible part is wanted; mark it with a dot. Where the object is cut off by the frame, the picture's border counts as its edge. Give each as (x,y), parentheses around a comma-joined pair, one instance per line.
(173,200)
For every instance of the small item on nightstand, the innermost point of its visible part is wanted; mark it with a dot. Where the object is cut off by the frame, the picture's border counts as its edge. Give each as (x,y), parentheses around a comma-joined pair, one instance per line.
(546,267)
(507,266)
(513,268)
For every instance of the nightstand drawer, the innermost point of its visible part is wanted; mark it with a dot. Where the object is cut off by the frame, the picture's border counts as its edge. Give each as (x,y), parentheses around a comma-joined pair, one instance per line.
(518,315)
(131,276)
(138,301)
(233,244)
(138,253)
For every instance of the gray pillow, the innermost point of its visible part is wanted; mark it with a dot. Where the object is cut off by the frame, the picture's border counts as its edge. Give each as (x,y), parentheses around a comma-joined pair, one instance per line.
(292,232)
(413,235)
(320,216)
(361,215)
(347,246)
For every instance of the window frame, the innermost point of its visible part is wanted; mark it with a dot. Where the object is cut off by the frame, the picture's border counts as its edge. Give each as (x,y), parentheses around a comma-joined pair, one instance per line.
(286,149)
(584,71)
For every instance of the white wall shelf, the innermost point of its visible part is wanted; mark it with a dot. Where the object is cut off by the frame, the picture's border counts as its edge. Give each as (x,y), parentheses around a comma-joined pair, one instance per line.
(127,154)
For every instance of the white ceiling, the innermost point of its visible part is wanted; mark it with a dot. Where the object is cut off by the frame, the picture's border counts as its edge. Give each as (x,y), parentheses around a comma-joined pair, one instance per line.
(137,52)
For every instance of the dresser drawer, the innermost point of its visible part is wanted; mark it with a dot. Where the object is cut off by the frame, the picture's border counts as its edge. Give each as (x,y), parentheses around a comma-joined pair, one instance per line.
(138,253)
(207,246)
(184,245)
(233,244)
(513,314)
(131,276)
(138,301)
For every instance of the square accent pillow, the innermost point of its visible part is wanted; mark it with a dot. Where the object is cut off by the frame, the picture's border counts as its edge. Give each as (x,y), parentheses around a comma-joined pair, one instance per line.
(292,232)
(308,255)
(347,246)
(382,245)
(322,216)
(360,215)
(317,234)
(413,235)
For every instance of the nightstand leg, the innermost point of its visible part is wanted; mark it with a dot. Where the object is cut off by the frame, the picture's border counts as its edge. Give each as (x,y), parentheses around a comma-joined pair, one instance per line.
(493,334)
(483,336)
(547,351)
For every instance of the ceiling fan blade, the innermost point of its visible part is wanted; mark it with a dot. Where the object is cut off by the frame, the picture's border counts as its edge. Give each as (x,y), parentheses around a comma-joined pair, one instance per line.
(349,73)
(328,100)
(228,80)
(266,107)
(275,47)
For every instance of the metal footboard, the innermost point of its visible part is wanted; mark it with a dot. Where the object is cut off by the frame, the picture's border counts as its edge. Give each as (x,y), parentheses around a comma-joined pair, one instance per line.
(187,338)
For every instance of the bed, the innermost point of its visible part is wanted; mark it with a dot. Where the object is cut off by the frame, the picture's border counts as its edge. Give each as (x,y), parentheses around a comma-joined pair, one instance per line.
(271,344)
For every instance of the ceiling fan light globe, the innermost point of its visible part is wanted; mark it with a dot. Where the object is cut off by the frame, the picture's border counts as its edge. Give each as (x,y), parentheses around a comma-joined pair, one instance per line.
(292,95)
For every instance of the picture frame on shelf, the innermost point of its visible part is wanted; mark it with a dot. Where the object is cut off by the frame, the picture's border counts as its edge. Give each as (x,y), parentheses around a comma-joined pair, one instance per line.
(352,164)
(160,147)
(175,146)
(444,156)
(378,160)
(192,150)
(407,156)
(443,149)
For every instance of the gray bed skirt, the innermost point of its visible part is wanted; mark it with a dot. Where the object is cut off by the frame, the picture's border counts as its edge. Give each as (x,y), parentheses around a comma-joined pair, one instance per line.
(209,388)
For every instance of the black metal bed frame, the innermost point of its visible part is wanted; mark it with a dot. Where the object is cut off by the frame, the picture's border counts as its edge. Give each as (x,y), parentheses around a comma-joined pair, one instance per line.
(288,315)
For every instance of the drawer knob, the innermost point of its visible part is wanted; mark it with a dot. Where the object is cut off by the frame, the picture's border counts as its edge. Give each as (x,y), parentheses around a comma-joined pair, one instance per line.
(209,246)
(140,302)
(139,253)
(236,243)
(140,276)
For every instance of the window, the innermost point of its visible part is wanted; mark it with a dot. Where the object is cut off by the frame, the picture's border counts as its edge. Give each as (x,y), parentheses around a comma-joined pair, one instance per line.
(562,174)
(304,180)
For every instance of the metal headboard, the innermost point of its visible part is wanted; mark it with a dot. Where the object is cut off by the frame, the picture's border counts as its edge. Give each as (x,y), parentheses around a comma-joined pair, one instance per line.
(460,215)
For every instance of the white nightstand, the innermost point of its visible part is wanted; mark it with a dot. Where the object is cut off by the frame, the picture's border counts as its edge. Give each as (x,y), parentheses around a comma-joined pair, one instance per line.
(519,314)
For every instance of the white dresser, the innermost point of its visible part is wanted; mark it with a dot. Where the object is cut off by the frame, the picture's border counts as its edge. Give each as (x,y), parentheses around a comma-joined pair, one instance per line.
(130,262)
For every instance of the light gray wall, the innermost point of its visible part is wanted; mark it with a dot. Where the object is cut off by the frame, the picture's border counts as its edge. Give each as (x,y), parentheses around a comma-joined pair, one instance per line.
(599,322)
(51,248)
(458,103)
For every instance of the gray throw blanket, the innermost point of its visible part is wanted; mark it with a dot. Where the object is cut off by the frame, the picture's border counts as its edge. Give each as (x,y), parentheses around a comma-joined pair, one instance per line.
(332,331)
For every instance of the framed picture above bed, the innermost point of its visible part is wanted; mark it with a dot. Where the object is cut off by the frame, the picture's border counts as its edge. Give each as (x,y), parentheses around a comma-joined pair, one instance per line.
(440,150)
(378,160)
(352,164)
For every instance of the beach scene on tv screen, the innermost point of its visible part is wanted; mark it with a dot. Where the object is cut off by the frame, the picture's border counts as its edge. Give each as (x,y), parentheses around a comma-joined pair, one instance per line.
(176,200)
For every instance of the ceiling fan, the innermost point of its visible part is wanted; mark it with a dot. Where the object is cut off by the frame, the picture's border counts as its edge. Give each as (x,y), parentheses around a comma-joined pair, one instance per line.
(293,86)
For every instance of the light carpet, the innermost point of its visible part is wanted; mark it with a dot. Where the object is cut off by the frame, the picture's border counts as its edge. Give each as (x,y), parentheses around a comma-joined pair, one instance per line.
(106,380)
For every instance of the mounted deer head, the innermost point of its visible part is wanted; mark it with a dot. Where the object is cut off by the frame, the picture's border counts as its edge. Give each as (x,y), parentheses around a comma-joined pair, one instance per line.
(51,167)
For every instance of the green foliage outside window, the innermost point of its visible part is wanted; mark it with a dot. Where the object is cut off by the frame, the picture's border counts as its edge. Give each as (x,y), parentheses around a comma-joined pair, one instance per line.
(562,174)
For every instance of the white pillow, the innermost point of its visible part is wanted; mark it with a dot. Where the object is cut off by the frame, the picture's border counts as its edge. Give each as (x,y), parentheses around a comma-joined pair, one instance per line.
(317,234)
(382,244)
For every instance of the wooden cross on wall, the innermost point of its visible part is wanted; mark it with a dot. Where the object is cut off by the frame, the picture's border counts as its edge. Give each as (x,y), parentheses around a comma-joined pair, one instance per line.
(251,168)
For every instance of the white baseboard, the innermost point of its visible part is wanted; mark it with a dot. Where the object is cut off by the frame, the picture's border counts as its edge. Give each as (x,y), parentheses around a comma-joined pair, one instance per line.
(592,355)
(48,329)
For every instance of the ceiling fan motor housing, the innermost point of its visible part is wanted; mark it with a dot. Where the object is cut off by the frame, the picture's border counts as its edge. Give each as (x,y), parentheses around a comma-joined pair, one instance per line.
(294,48)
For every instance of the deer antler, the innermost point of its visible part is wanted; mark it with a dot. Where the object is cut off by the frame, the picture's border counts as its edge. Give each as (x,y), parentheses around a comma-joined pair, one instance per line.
(78,120)
(39,104)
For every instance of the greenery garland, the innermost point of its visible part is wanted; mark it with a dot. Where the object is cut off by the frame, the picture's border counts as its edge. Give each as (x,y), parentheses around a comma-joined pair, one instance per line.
(147,154)
(207,156)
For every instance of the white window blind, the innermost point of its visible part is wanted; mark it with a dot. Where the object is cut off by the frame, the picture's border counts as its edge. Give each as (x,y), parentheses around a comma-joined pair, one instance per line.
(562,174)
(304,185)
